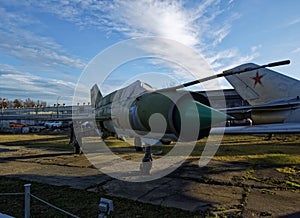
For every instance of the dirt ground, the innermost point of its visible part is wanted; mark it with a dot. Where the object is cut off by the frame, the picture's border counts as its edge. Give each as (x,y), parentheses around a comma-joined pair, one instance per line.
(224,188)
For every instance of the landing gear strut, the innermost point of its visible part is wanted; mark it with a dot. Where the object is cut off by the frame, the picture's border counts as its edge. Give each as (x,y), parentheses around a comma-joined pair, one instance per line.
(138,144)
(146,164)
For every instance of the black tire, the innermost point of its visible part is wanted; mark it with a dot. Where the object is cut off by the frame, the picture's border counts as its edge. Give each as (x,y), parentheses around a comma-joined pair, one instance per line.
(138,148)
(77,150)
(165,142)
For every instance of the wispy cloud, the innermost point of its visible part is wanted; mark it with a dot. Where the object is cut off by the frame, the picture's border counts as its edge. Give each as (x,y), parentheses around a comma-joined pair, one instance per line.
(29,85)
(294,22)
(18,42)
(195,24)
(190,24)
(155,18)
(35,55)
(297,50)
(201,26)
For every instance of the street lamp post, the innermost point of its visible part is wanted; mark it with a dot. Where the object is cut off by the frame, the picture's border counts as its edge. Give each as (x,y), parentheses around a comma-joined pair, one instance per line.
(57,106)
(3,105)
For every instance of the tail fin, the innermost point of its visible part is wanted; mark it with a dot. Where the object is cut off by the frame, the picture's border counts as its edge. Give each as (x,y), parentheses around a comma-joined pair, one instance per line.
(95,96)
(263,85)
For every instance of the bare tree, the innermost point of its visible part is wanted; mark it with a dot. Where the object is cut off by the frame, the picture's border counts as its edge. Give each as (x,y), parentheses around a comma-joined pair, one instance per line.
(17,103)
(29,103)
(3,102)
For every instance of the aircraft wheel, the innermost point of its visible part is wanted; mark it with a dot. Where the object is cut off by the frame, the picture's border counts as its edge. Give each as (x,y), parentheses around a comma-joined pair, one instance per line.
(165,142)
(138,144)
(138,148)
(77,149)
(145,168)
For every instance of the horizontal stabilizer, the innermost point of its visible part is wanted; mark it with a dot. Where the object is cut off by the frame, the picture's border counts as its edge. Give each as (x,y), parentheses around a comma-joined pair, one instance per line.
(278,128)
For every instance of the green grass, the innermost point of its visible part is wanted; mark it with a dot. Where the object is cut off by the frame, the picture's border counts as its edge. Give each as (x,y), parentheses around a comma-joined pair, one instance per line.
(255,150)
(36,140)
(289,170)
(78,202)
(292,184)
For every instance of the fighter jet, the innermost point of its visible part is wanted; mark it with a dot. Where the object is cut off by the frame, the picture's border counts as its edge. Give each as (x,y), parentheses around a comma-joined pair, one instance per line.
(164,115)
(274,100)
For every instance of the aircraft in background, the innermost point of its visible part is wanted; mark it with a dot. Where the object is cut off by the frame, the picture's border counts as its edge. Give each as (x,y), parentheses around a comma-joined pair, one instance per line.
(128,112)
(274,100)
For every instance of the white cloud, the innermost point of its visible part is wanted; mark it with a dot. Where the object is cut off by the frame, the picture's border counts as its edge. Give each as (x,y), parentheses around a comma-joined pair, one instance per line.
(155,18)
(195,27)
(32,86)
(297,50)
(18,42)
(195,24)
(191,23)
(255,48)
(294,22)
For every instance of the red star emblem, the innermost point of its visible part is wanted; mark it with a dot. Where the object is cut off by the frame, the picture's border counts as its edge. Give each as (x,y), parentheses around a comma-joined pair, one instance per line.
(257,79)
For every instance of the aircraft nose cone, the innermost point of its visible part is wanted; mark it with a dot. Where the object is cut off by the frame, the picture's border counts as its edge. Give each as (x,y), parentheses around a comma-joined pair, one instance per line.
(210,116)
(195,115)
(207,116)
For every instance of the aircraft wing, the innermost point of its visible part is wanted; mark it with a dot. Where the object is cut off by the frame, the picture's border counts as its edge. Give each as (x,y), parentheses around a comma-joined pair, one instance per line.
(268,106)
(278,128)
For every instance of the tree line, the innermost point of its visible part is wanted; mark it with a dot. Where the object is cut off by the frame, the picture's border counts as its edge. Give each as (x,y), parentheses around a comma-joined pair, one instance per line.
(18,103)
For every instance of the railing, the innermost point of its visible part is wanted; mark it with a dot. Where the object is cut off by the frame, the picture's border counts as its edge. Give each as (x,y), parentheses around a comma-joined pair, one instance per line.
(28,196)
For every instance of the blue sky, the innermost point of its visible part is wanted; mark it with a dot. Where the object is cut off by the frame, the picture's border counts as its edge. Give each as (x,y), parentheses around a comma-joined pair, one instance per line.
(45,45)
